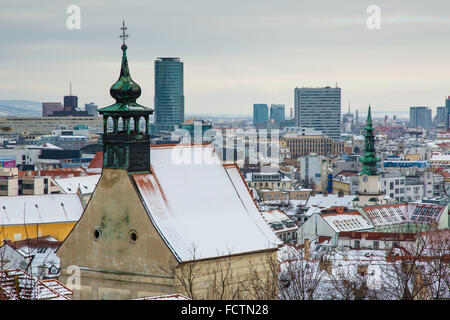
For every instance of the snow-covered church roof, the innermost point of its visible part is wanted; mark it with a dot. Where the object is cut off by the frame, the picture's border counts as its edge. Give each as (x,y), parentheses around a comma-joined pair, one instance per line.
(195,201)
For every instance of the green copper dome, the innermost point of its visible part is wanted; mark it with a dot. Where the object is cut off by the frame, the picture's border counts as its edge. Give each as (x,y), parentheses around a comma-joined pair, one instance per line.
(125,91)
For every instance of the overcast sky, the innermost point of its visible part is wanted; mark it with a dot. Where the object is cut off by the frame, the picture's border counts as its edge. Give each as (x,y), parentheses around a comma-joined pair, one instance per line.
(235,53)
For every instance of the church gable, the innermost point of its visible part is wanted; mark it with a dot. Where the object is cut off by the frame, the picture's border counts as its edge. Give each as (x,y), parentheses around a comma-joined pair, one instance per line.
(115,232)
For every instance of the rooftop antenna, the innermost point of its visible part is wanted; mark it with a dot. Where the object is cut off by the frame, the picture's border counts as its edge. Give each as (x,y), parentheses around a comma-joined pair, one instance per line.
(70,88)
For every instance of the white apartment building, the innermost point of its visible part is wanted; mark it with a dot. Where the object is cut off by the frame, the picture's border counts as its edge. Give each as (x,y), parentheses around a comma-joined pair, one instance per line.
(393,185)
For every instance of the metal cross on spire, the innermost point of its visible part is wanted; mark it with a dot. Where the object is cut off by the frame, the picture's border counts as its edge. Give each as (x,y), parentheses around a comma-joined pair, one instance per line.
(123,36)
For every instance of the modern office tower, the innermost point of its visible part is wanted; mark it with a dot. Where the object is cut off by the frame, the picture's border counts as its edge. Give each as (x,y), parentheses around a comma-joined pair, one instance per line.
(91,109)
(169,94)
(320,109)
(277,112)
(260,113)
(420,117)
(49,107)
(70,103)
(440,115)
(447,113)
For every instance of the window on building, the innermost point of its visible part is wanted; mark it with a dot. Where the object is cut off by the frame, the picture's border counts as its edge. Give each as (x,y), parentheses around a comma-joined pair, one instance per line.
(357,244)
(376,245)
(41,250)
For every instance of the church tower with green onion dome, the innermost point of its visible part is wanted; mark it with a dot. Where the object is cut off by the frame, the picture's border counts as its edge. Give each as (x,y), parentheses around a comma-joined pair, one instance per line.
(369,190)
(126,127)
(369,159)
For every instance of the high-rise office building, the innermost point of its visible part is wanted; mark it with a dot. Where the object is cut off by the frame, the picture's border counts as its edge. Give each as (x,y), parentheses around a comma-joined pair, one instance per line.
(49,107)
(277,113)
(447,113)
(320,109)
(440,115)
(169,94)
(260,113)
(91,109)
(420,117)
(70,103)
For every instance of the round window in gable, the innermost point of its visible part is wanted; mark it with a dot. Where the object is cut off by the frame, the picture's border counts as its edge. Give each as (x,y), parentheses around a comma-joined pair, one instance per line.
(97,233)
(133,236)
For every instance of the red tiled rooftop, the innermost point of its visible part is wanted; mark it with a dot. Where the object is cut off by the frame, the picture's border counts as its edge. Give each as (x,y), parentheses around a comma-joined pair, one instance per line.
(355,213)
(347,173)
(97,162)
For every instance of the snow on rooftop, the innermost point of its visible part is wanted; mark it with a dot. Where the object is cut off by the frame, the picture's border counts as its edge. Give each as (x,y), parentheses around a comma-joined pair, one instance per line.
(312,210)
(440,157)
(387,214)
(37,209)
(274,216)
(48,146)
(87,183)
(350,221)
(330,200)
(18,285)
(206,206)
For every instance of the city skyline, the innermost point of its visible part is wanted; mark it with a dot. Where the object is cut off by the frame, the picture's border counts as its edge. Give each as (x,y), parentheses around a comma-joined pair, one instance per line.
(235,54)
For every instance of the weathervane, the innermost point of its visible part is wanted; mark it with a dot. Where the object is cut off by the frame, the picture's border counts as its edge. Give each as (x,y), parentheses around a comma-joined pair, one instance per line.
(123,36)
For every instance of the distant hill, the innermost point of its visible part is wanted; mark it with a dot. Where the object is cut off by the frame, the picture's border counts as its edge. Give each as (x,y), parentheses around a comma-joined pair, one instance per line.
(20,108)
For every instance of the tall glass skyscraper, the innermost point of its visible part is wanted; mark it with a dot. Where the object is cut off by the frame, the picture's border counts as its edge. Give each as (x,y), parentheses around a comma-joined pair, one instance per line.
(320,109)
(260,113)
(440,115)
(169,94)
(277,112)
(447,113)
(420,117)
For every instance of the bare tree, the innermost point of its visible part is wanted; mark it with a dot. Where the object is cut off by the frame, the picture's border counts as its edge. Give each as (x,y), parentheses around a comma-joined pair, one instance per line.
(420,272)
(186,274)
(261,284)
(350,282)
(435,263)
(300,277)
(225,278)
